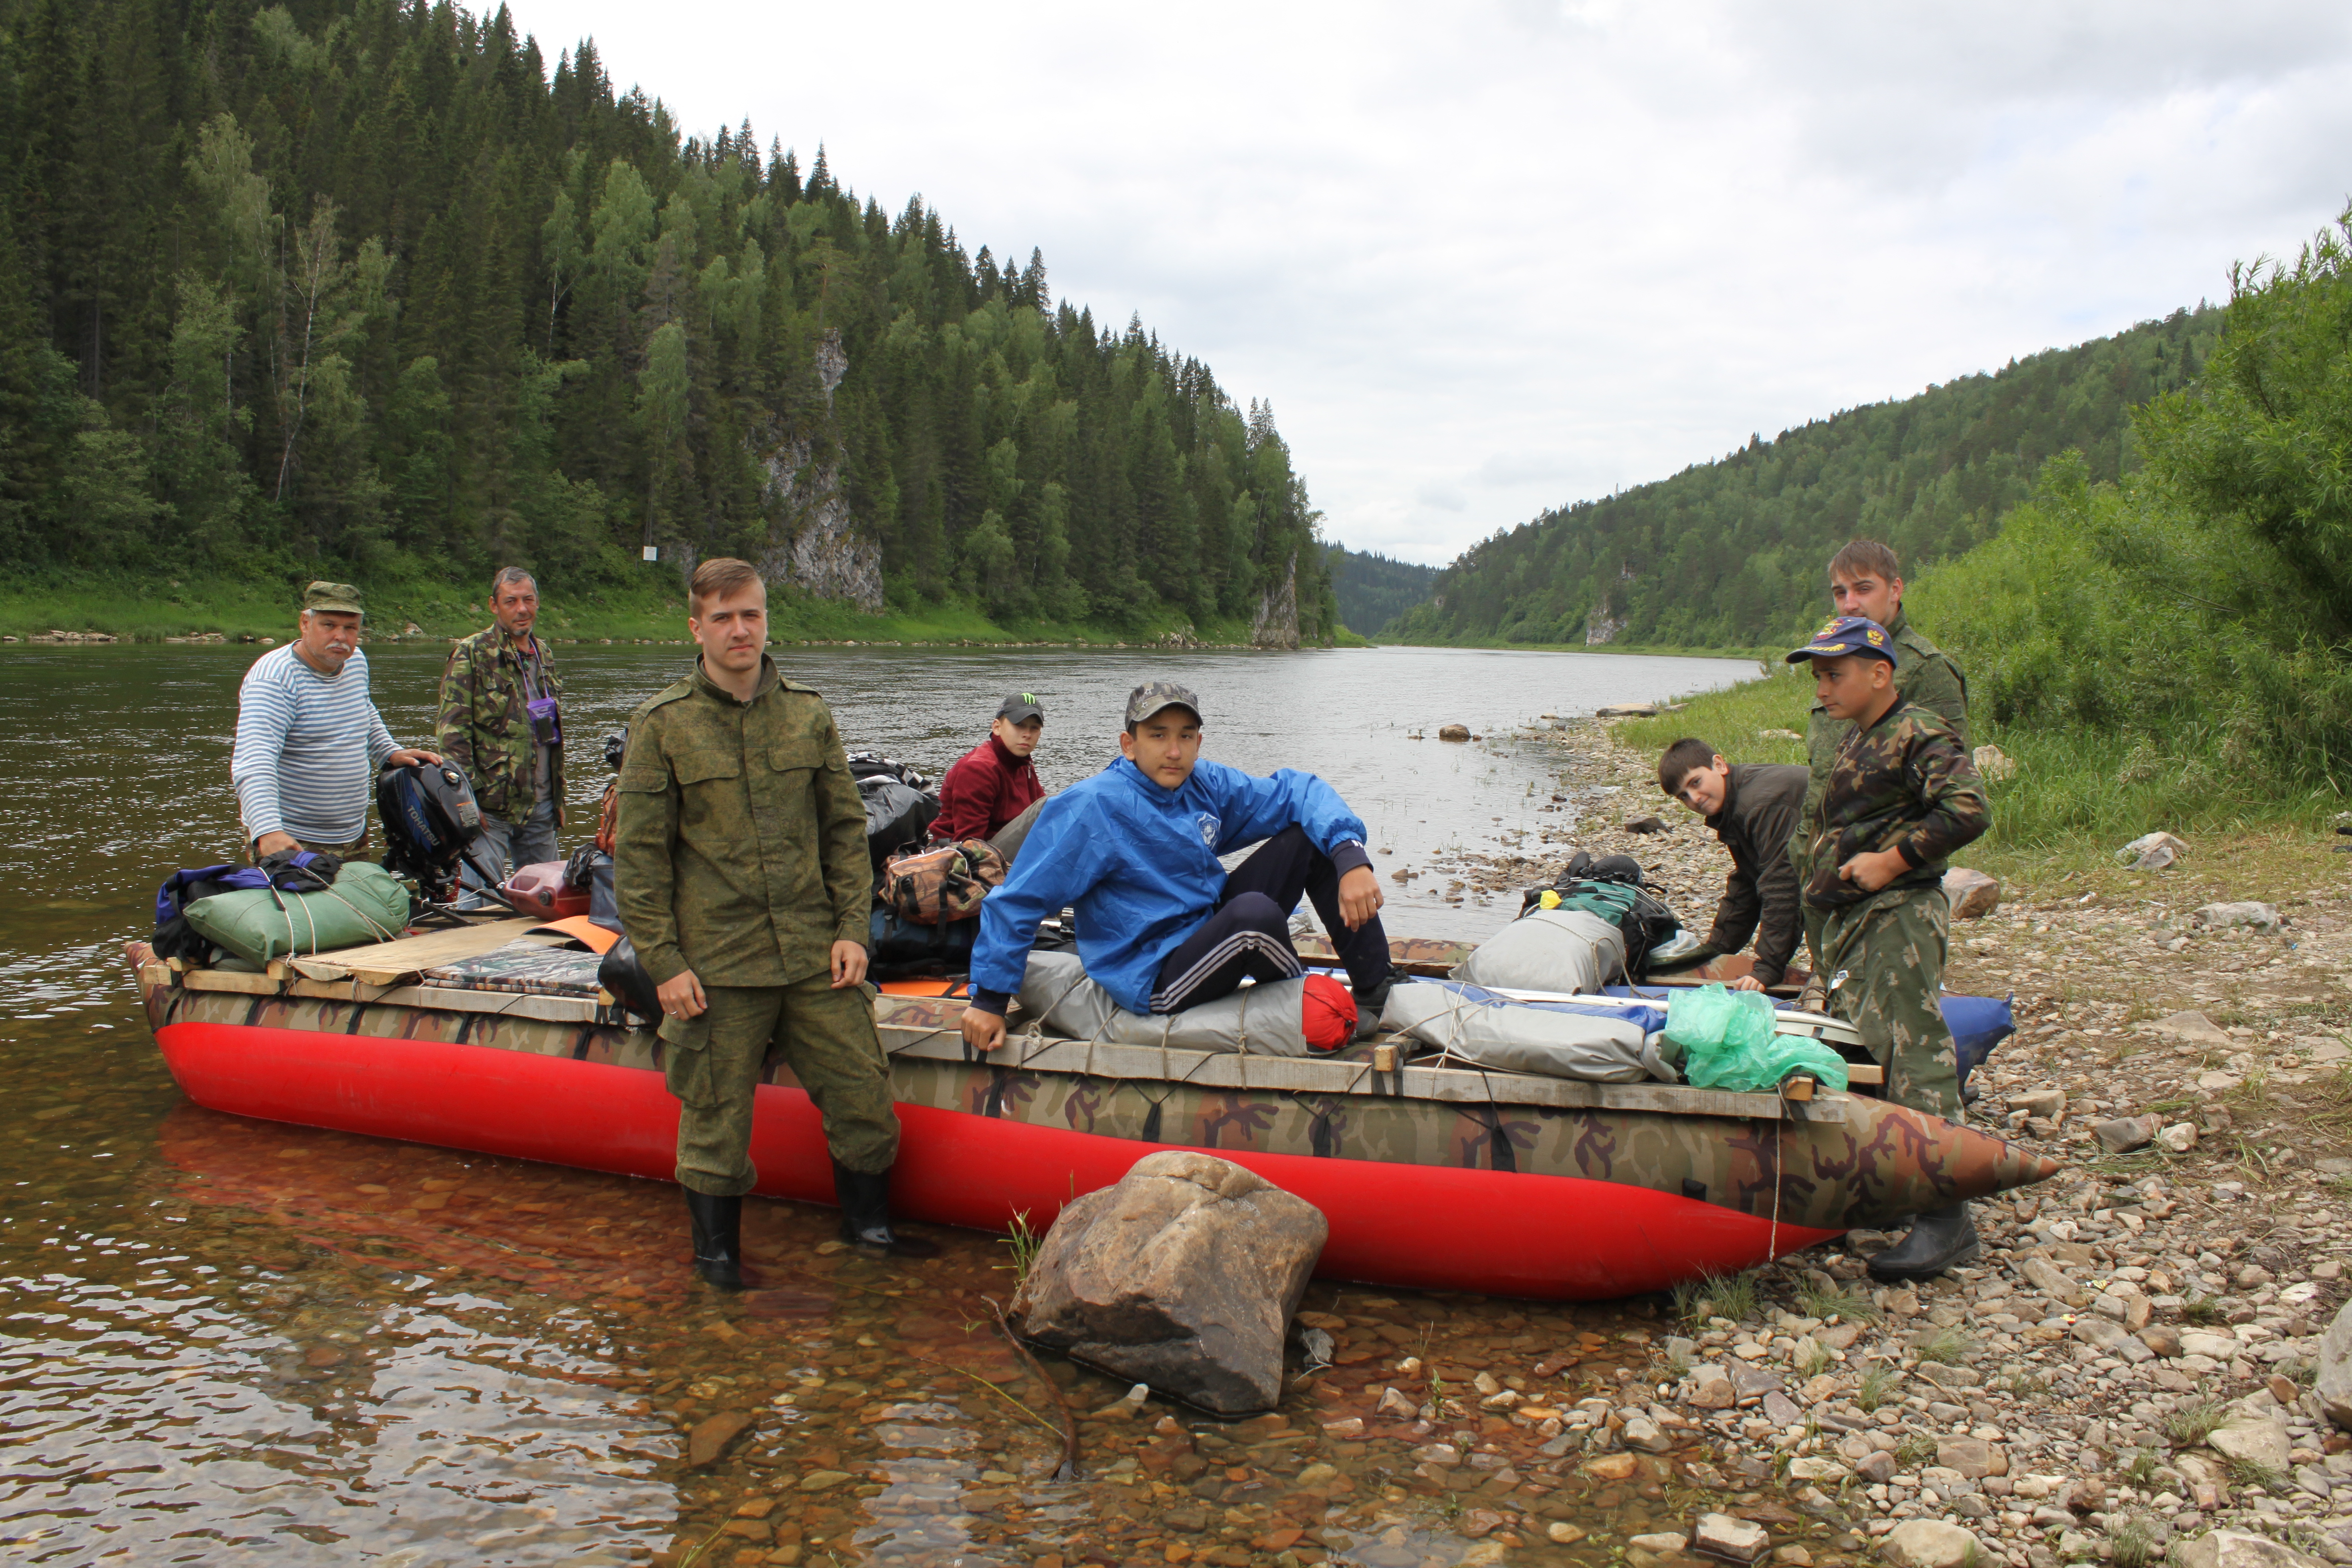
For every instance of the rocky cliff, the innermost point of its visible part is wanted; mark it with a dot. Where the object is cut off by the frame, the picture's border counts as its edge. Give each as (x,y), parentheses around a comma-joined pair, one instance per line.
(814,544)
(1276,625)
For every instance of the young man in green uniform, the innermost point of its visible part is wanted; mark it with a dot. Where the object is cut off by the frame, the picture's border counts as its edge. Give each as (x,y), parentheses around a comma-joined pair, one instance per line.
(741,868)
(1902,795)
(499,722)
(1866,580)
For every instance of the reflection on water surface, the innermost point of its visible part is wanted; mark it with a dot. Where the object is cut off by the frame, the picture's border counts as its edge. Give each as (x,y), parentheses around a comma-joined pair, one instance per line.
(227,1341)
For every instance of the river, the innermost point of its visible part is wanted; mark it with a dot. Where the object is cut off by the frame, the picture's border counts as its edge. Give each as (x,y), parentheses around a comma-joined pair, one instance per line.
(216,1346)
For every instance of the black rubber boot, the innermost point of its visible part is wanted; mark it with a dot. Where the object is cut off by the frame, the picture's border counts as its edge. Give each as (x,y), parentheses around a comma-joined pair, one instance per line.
(718,1239)
(1369,1009)
(866,1213)
(1939,1240)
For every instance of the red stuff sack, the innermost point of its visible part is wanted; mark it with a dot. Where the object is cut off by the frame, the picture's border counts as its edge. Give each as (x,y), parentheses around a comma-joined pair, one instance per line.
(1327,1013)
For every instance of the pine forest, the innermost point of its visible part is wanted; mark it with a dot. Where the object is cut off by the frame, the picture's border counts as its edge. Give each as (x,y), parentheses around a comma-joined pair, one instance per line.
(367,287)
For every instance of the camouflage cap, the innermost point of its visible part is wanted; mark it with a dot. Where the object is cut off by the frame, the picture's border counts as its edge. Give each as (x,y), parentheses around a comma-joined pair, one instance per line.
(340,597)
(1153,695)
(1847,635)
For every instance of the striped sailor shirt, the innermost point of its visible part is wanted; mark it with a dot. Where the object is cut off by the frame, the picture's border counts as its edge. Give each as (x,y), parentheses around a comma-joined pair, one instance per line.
(308,748)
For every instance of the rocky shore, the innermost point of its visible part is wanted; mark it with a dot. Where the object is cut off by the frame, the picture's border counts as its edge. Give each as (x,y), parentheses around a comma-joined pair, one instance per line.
(2132,1370)
(2130,1366)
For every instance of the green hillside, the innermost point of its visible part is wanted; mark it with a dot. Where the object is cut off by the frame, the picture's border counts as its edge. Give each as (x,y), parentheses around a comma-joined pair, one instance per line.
(1729,553)
(366,288)
(2170,648)
(1373,590)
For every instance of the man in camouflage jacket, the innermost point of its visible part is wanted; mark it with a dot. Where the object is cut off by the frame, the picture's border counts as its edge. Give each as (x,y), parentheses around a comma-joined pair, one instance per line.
(1866,580)
(486,728)
(744,884)
(1902,795)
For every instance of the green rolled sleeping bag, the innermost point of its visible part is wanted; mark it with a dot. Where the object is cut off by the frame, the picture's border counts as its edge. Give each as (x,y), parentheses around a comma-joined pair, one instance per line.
(366,905)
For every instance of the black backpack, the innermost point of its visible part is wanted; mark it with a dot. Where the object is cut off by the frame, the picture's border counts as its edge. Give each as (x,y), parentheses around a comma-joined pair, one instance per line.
(1645,924)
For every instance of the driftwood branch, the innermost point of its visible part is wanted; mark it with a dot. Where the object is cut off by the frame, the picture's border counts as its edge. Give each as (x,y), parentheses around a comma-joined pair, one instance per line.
(1069,1467)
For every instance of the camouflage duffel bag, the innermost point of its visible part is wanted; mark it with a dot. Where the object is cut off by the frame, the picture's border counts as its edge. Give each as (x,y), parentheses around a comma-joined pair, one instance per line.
(943,884)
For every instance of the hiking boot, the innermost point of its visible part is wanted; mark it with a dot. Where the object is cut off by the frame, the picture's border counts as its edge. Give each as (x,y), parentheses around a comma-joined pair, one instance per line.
(865,1215)
(718,1239)
(1814,997)
(1939,1240)
(1369,1005)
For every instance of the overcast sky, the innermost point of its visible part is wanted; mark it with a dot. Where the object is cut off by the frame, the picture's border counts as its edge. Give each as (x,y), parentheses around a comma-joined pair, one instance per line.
(1489,256)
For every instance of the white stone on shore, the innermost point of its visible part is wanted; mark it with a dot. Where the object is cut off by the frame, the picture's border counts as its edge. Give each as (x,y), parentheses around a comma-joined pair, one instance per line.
(1931,1543)
(1735,1539)
(2238,1549)
(2259,1440)
(2334,1386)
(2228,917)
(2151,851)
(2192,1027)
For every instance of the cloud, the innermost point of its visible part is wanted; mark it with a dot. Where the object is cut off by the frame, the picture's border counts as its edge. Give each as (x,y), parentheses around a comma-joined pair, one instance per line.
(1509,255)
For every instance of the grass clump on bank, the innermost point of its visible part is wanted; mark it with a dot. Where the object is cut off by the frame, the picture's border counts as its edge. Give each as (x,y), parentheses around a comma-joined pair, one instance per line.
(647,604)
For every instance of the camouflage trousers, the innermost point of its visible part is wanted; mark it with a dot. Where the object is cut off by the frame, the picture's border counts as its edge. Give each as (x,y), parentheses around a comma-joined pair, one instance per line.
(1883,963)
(1801,862)
(826,1036)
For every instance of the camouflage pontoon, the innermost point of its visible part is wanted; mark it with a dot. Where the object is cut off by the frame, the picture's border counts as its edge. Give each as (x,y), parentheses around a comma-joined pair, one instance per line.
(1430,1174)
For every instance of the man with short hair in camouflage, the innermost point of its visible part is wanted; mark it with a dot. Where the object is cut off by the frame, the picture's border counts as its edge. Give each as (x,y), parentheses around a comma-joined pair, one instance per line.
(500,723)
(1902,795)
(741,866)
(1866,580)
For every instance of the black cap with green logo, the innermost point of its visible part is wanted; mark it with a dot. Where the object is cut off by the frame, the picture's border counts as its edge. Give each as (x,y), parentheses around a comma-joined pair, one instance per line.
(1021,707)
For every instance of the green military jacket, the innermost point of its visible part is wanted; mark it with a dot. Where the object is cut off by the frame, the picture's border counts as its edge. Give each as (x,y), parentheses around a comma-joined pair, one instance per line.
(484,726)
(1906,784)
(1924,674)
(740,850)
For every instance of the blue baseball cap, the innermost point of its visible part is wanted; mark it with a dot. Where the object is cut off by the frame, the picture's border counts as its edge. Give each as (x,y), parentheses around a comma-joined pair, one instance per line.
(1848,635)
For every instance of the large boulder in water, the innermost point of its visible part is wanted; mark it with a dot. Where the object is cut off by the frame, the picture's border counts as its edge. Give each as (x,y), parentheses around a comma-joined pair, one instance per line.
(1184,1275)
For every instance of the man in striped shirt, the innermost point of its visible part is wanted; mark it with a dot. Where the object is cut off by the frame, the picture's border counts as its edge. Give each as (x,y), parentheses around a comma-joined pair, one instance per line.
(308,740)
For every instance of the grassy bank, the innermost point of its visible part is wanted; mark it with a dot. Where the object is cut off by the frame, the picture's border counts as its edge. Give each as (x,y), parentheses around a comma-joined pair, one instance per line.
(653,606)
(2076,798)
(1674,651)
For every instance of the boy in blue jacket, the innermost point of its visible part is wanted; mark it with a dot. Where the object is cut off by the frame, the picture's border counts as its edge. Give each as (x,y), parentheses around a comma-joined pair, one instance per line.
(1162,926)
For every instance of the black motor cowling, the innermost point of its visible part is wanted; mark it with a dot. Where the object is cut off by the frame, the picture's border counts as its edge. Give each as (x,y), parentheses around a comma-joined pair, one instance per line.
(430,820)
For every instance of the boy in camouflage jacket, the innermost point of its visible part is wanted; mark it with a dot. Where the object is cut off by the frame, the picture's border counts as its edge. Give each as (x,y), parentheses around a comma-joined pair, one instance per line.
(1866,580)
(1902,795)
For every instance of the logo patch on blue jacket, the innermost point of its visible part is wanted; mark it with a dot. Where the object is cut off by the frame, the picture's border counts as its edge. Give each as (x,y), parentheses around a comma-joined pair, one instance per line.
(1208,829)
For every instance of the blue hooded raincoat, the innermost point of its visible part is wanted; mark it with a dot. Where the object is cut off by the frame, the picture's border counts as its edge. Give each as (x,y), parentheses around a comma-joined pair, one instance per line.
(1139,863)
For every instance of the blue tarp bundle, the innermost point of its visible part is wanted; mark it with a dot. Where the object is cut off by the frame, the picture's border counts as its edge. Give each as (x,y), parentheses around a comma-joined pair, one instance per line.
(1652,1018)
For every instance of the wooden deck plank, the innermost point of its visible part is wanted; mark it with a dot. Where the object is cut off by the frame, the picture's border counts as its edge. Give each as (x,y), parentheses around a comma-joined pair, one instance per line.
(232,981)
(390,963)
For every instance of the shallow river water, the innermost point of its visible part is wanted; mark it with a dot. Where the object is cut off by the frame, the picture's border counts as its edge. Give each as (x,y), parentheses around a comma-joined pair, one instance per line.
(229,1342)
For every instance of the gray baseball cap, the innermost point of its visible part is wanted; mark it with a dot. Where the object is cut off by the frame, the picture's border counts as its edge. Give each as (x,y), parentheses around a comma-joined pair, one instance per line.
(1021,707)
(1153,695)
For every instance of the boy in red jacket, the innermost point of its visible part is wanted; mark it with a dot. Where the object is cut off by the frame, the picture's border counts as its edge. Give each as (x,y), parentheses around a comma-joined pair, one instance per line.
(994,782)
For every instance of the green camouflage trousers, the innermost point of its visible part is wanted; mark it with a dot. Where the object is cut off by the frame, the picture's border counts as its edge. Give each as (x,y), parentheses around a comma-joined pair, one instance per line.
(826,1036)
(1817,956)
(1884,960)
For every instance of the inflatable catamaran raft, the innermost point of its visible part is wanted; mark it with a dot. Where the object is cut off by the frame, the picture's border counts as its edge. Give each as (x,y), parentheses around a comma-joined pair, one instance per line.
(1434,1167)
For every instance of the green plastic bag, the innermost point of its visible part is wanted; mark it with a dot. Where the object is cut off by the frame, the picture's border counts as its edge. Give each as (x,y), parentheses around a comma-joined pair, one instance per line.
(1727,1042)
(366,905)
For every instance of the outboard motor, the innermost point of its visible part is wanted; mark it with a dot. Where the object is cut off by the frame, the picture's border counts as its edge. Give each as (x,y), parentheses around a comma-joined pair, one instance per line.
(430,823)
